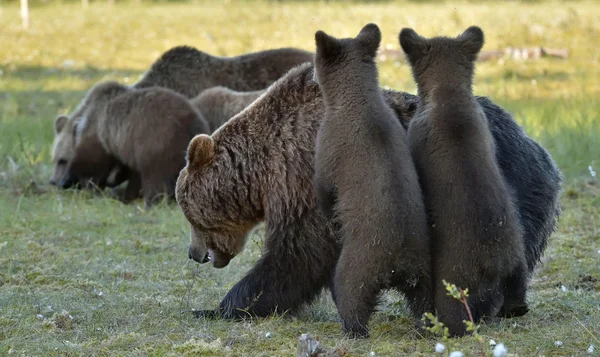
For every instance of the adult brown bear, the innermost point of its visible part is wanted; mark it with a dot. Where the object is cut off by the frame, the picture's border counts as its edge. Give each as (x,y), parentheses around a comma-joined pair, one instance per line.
(259,167)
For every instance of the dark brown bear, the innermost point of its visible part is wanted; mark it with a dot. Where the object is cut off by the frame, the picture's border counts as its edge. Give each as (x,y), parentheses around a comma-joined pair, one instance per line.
(365,178)
(187,71)
(477,238)
(258,167)
(219,104)
(146,131)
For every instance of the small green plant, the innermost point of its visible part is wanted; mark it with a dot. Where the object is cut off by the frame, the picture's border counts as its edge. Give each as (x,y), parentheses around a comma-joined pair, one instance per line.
(437,327)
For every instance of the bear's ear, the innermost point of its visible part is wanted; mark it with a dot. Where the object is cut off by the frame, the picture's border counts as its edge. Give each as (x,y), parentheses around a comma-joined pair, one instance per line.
(201,151)
(471,41)
(59,123)
(414,45)
(326,45)
(370,38)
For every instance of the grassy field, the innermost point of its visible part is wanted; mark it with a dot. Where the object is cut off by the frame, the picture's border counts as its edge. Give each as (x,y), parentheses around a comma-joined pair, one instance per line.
(86,275)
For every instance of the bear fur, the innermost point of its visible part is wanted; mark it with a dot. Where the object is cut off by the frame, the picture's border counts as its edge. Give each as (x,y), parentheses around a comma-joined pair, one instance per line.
(258,167)
(366,179)
(187,71)
(476,234)
(219,104)
(62,151)
(146,131)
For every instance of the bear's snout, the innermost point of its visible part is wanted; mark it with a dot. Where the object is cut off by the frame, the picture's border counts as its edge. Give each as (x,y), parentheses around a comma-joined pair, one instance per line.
(193,256)
(66,182)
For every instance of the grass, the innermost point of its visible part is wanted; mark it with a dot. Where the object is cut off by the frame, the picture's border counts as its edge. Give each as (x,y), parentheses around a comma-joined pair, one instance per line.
(86,275)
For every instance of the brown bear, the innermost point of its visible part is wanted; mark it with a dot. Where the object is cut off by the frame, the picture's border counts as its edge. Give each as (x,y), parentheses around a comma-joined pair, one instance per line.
(365,178)
(477,238)
(219,104)
(258,167)
(188,71)
(146,131)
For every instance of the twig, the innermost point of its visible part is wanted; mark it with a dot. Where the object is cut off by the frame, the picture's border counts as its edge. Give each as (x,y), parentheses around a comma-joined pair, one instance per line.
(37,301)
(594,337)
(463,299)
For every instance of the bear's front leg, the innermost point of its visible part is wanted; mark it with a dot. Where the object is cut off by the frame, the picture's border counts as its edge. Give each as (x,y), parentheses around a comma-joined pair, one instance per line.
(296,265)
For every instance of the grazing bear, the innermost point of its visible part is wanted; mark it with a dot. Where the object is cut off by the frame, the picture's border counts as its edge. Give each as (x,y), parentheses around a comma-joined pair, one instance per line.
(219,104)
(366,179)
(258,167)
(477,238)
(188,71)
(146,131)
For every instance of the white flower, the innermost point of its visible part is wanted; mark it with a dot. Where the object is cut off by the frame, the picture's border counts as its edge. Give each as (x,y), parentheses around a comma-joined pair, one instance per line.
(492,343)
(591,349)
(40,316)
(100,293)
(558,343)
(268,334)
(456,354)
(500,350)
(372,353)
(563,288)
(592,172)
(439,347)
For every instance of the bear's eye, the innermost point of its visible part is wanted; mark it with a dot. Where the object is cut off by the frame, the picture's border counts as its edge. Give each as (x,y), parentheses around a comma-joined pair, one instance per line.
(62,162)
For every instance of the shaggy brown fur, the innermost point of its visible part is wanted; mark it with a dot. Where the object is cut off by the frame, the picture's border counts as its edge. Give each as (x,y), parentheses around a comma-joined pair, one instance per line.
(219,104)
(365,178)
(62,152)
(476,233)
(187,71)
(147,131)
(259,167)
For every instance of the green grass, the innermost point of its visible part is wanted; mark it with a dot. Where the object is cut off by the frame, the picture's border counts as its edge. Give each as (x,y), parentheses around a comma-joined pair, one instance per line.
(122,273)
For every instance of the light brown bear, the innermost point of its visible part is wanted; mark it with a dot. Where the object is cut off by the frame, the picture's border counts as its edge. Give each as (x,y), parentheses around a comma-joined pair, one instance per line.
(258,167)
(365,179)
(219,104)
(187,71)
(146,131)
(477,237)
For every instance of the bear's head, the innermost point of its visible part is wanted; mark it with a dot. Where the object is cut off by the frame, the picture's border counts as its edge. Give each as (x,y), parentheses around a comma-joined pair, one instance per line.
(88,163)
(214,200)
(355,56)
(62,151)
(442,60)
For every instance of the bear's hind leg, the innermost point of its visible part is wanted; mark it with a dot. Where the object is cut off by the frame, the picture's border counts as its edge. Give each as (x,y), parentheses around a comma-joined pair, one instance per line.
(357,284)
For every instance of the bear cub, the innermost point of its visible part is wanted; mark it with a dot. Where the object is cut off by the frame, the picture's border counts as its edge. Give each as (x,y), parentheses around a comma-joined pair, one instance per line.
(477,240)
(366,182)
(146,131)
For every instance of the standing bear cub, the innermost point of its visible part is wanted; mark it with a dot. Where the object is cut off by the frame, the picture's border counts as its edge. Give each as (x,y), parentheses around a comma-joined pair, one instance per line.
(476,233)
(365,179)
(146,131)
